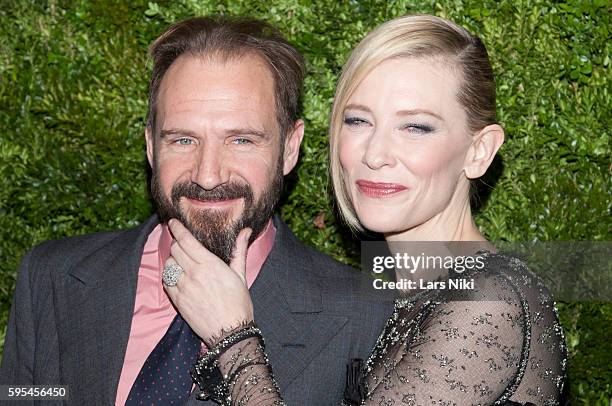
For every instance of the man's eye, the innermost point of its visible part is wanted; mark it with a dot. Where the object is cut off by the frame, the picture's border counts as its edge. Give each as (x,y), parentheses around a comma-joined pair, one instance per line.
(184,141)
(354,121)
(241,141)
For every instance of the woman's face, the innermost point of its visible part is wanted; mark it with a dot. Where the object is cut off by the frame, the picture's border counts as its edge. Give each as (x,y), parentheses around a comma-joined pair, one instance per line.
(403,145)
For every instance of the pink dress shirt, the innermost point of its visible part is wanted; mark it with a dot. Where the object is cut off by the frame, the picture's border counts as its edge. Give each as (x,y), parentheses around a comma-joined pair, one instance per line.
(153,311)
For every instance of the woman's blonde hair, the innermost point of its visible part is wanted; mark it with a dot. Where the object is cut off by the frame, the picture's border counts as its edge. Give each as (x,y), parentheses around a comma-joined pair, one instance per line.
(413,36)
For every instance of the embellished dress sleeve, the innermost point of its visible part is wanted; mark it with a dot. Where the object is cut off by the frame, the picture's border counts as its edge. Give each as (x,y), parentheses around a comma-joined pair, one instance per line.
(236,371)
(464,348)
(449,351)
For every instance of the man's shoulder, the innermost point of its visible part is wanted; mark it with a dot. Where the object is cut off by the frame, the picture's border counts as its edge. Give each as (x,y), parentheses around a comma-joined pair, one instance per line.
(334,279)
(67,250)
(307,257)
(80,245)
(326,267)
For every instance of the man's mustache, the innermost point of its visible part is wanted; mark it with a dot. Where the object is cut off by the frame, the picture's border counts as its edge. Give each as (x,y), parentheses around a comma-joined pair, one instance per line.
(226,191)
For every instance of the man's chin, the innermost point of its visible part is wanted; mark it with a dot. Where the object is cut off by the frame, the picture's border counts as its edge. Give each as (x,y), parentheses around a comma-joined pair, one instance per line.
(215,230)
(217,217)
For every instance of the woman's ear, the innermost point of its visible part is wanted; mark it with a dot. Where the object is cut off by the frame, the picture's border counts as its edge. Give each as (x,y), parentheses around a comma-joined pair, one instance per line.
(482,151)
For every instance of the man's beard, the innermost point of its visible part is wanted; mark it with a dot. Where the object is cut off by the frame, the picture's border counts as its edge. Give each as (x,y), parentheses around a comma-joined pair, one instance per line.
(215,229)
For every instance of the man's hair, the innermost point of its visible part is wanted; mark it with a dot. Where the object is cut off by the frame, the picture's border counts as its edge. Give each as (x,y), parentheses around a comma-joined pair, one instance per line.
(228,38)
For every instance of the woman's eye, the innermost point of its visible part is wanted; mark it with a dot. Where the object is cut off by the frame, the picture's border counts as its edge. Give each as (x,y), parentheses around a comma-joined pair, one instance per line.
(416,128)
(354,121)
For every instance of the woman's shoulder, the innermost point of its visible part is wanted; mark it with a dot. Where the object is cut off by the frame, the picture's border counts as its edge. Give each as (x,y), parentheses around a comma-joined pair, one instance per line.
(545,369)
(501,276)
(500,318)
(528,306)
(442,337)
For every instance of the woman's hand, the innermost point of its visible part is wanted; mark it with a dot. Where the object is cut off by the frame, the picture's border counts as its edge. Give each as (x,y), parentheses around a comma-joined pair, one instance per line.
(212,297)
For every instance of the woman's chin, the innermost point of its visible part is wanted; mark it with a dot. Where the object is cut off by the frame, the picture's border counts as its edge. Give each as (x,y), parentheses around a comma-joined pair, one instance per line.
(381,224)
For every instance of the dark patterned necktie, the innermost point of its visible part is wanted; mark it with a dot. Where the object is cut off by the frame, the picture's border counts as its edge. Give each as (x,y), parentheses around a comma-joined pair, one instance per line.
(164,378)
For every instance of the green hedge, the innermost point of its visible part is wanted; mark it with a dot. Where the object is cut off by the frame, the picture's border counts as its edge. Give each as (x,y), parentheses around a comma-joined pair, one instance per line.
(73,80)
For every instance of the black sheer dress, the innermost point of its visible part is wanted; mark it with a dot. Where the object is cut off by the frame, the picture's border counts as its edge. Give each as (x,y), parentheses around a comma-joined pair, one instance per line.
(498,344)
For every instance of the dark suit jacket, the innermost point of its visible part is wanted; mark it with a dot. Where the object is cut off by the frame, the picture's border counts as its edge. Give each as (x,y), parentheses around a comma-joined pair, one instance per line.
(73,305)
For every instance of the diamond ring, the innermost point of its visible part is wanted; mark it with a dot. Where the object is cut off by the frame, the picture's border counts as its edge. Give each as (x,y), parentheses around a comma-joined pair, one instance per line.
(171,274)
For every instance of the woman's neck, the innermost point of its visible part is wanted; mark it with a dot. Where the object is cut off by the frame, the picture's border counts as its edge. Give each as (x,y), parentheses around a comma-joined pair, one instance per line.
(454,223)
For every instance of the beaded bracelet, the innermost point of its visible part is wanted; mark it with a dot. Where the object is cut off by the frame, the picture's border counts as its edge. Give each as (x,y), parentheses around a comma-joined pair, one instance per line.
(206,373)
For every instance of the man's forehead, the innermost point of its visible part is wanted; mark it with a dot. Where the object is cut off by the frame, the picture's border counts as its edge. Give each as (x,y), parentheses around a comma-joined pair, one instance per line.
(193,76)
(227,91)
(220,67)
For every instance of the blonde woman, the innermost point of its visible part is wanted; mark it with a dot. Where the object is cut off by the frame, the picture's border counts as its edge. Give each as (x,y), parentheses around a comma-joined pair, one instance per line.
(413,123)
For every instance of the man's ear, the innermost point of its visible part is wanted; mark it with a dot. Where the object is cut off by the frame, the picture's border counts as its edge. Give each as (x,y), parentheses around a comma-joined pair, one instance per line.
(293,140)
(149,137)
(482,150)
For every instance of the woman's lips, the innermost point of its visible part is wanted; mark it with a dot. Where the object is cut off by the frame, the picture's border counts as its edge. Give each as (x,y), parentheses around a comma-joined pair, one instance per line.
(379,189)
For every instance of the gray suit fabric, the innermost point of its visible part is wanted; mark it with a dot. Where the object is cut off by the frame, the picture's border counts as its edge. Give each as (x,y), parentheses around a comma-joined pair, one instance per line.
(74,299)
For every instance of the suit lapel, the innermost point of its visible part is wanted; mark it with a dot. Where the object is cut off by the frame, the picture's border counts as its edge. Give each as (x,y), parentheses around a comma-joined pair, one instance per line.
(100,292)
(289,308)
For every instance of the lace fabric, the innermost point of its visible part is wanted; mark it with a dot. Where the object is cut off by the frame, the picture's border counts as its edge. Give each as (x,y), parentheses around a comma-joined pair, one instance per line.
(499,344)
(249,374)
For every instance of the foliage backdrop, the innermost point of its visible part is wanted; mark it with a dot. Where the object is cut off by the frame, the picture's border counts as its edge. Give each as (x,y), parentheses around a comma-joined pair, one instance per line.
(73,81)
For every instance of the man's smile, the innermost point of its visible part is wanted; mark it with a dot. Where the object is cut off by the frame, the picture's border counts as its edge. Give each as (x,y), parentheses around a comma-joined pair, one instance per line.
(213,204)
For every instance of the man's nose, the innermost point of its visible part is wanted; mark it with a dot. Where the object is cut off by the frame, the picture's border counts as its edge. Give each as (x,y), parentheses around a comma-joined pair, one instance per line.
(209,169)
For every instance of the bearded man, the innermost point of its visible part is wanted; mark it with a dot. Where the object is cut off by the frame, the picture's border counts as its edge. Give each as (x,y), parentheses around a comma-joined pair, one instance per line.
(92,312)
